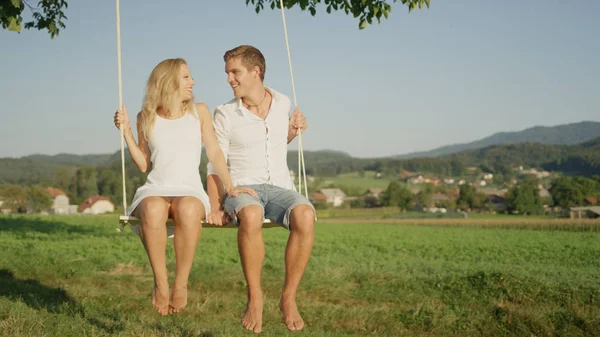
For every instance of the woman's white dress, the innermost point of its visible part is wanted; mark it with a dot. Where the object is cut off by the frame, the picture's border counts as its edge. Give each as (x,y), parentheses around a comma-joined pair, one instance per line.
(176,148)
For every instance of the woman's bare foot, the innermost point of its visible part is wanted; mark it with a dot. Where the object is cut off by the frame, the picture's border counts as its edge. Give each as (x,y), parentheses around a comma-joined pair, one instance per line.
(252,319)
(160,299)
(178,299)
(291,316)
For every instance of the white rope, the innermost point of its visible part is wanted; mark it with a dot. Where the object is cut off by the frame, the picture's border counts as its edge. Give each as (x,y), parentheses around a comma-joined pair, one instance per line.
(120,105)
(301,166)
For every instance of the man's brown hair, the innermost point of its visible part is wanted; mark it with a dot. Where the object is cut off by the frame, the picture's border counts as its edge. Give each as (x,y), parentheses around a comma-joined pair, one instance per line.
(250,56)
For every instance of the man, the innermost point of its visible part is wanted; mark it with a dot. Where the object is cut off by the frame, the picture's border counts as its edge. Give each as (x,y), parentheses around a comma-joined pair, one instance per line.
(254,130)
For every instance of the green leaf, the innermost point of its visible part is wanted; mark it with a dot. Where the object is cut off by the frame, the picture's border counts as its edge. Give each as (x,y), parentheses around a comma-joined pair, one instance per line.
(313,11)
(14,24)
(363,24)
(16,3)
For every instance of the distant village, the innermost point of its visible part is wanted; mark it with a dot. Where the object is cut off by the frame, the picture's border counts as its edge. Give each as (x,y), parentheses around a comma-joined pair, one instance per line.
(429,194)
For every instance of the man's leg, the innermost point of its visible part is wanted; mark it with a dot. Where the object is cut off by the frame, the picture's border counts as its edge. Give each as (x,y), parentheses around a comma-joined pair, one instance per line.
(252,253)
(297,253)
(188,213)
(153,213)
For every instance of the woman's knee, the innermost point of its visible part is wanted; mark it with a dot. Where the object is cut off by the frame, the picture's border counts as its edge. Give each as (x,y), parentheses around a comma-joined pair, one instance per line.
(188,209)
(153,209)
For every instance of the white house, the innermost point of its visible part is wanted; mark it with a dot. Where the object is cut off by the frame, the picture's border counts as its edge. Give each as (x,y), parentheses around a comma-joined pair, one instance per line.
(97,204)
(60,201)
(334,196)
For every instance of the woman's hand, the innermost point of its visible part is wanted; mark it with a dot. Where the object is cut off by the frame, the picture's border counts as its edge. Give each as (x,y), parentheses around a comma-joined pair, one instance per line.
(122,118)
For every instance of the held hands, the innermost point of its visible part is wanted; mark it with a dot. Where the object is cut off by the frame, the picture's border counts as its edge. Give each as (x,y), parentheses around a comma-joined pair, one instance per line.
(217,217)
(122,118)
(297,124)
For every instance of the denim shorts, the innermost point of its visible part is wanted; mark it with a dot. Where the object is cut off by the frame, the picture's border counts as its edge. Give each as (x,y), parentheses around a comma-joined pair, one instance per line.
(277,203)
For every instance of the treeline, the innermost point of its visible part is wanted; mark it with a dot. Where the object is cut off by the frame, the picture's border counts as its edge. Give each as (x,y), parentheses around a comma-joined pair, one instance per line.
(523,198)
(81,176)
(581,159)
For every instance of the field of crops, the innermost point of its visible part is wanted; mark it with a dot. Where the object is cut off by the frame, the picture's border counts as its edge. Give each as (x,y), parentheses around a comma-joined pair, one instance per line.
(77,276)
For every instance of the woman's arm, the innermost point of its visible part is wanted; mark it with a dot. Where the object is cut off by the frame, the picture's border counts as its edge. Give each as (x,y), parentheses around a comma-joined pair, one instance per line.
(140,152)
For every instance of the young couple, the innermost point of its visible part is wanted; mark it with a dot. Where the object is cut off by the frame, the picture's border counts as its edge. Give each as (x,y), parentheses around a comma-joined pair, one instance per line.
(248,178)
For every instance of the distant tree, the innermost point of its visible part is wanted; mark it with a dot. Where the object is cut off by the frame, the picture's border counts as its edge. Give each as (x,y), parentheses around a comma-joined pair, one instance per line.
(51,13)
(38,199)
(469,197)
(397,195)
(457,168)
(15,198)
(565,193)
(423,198)
(62,178)
(525,198)
(109,183)
(370,202)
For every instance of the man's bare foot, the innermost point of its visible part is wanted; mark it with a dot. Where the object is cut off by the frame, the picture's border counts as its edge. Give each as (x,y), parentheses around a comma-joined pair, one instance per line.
(291,316)
(178,299)
(160,299)
(252,319)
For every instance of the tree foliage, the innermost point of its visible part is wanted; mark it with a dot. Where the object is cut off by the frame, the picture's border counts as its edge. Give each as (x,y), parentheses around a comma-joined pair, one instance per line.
(524,198)
(397,195)
(570,191)
(50,14)
(470,198)
(367,11)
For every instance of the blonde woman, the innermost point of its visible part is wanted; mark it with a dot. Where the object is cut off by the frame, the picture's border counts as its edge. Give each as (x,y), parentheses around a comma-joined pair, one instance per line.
(171,130)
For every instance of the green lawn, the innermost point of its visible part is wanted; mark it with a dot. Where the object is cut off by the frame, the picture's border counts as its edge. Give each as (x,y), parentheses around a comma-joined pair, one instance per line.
(354,179)
(76,276)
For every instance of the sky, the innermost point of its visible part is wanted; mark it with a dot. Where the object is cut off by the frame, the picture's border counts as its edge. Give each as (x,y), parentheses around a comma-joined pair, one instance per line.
(457,72)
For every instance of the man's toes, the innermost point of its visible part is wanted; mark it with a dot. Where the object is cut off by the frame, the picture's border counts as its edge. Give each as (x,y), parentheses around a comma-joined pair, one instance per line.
(290,326)
(257,329)
(299,325)
(246,325)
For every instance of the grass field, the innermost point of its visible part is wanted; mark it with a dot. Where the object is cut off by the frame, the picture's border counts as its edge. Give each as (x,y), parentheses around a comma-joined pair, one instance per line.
(76,276)
(364,182)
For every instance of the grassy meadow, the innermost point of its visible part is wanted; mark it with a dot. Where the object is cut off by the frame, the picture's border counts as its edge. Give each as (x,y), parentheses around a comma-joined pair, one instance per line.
(354,179)
(77,276)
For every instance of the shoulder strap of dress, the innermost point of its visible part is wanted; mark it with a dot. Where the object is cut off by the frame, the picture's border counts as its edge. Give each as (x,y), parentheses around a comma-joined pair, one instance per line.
(195,111)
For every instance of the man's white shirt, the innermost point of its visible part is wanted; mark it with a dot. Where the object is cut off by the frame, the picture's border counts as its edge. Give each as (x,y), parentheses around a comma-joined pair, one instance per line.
(255,149)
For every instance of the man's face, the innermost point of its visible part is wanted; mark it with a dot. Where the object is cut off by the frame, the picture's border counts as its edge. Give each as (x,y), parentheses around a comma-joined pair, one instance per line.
(240,78)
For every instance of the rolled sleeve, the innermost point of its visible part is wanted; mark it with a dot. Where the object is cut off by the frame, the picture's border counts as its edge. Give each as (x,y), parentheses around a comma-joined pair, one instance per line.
(221,126)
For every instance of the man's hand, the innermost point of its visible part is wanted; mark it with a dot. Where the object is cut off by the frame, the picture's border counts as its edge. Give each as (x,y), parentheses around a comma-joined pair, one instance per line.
(234,191)
(297,124)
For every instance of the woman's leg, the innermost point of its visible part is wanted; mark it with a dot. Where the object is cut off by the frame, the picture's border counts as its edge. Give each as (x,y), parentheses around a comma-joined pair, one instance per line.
(153,213)
(188,213)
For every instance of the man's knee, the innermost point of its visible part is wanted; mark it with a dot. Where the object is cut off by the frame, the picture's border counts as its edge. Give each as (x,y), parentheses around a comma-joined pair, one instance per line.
(302,219)
(250,217)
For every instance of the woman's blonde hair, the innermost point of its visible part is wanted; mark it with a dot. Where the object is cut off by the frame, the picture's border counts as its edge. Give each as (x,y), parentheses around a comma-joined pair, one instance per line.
(162,91)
